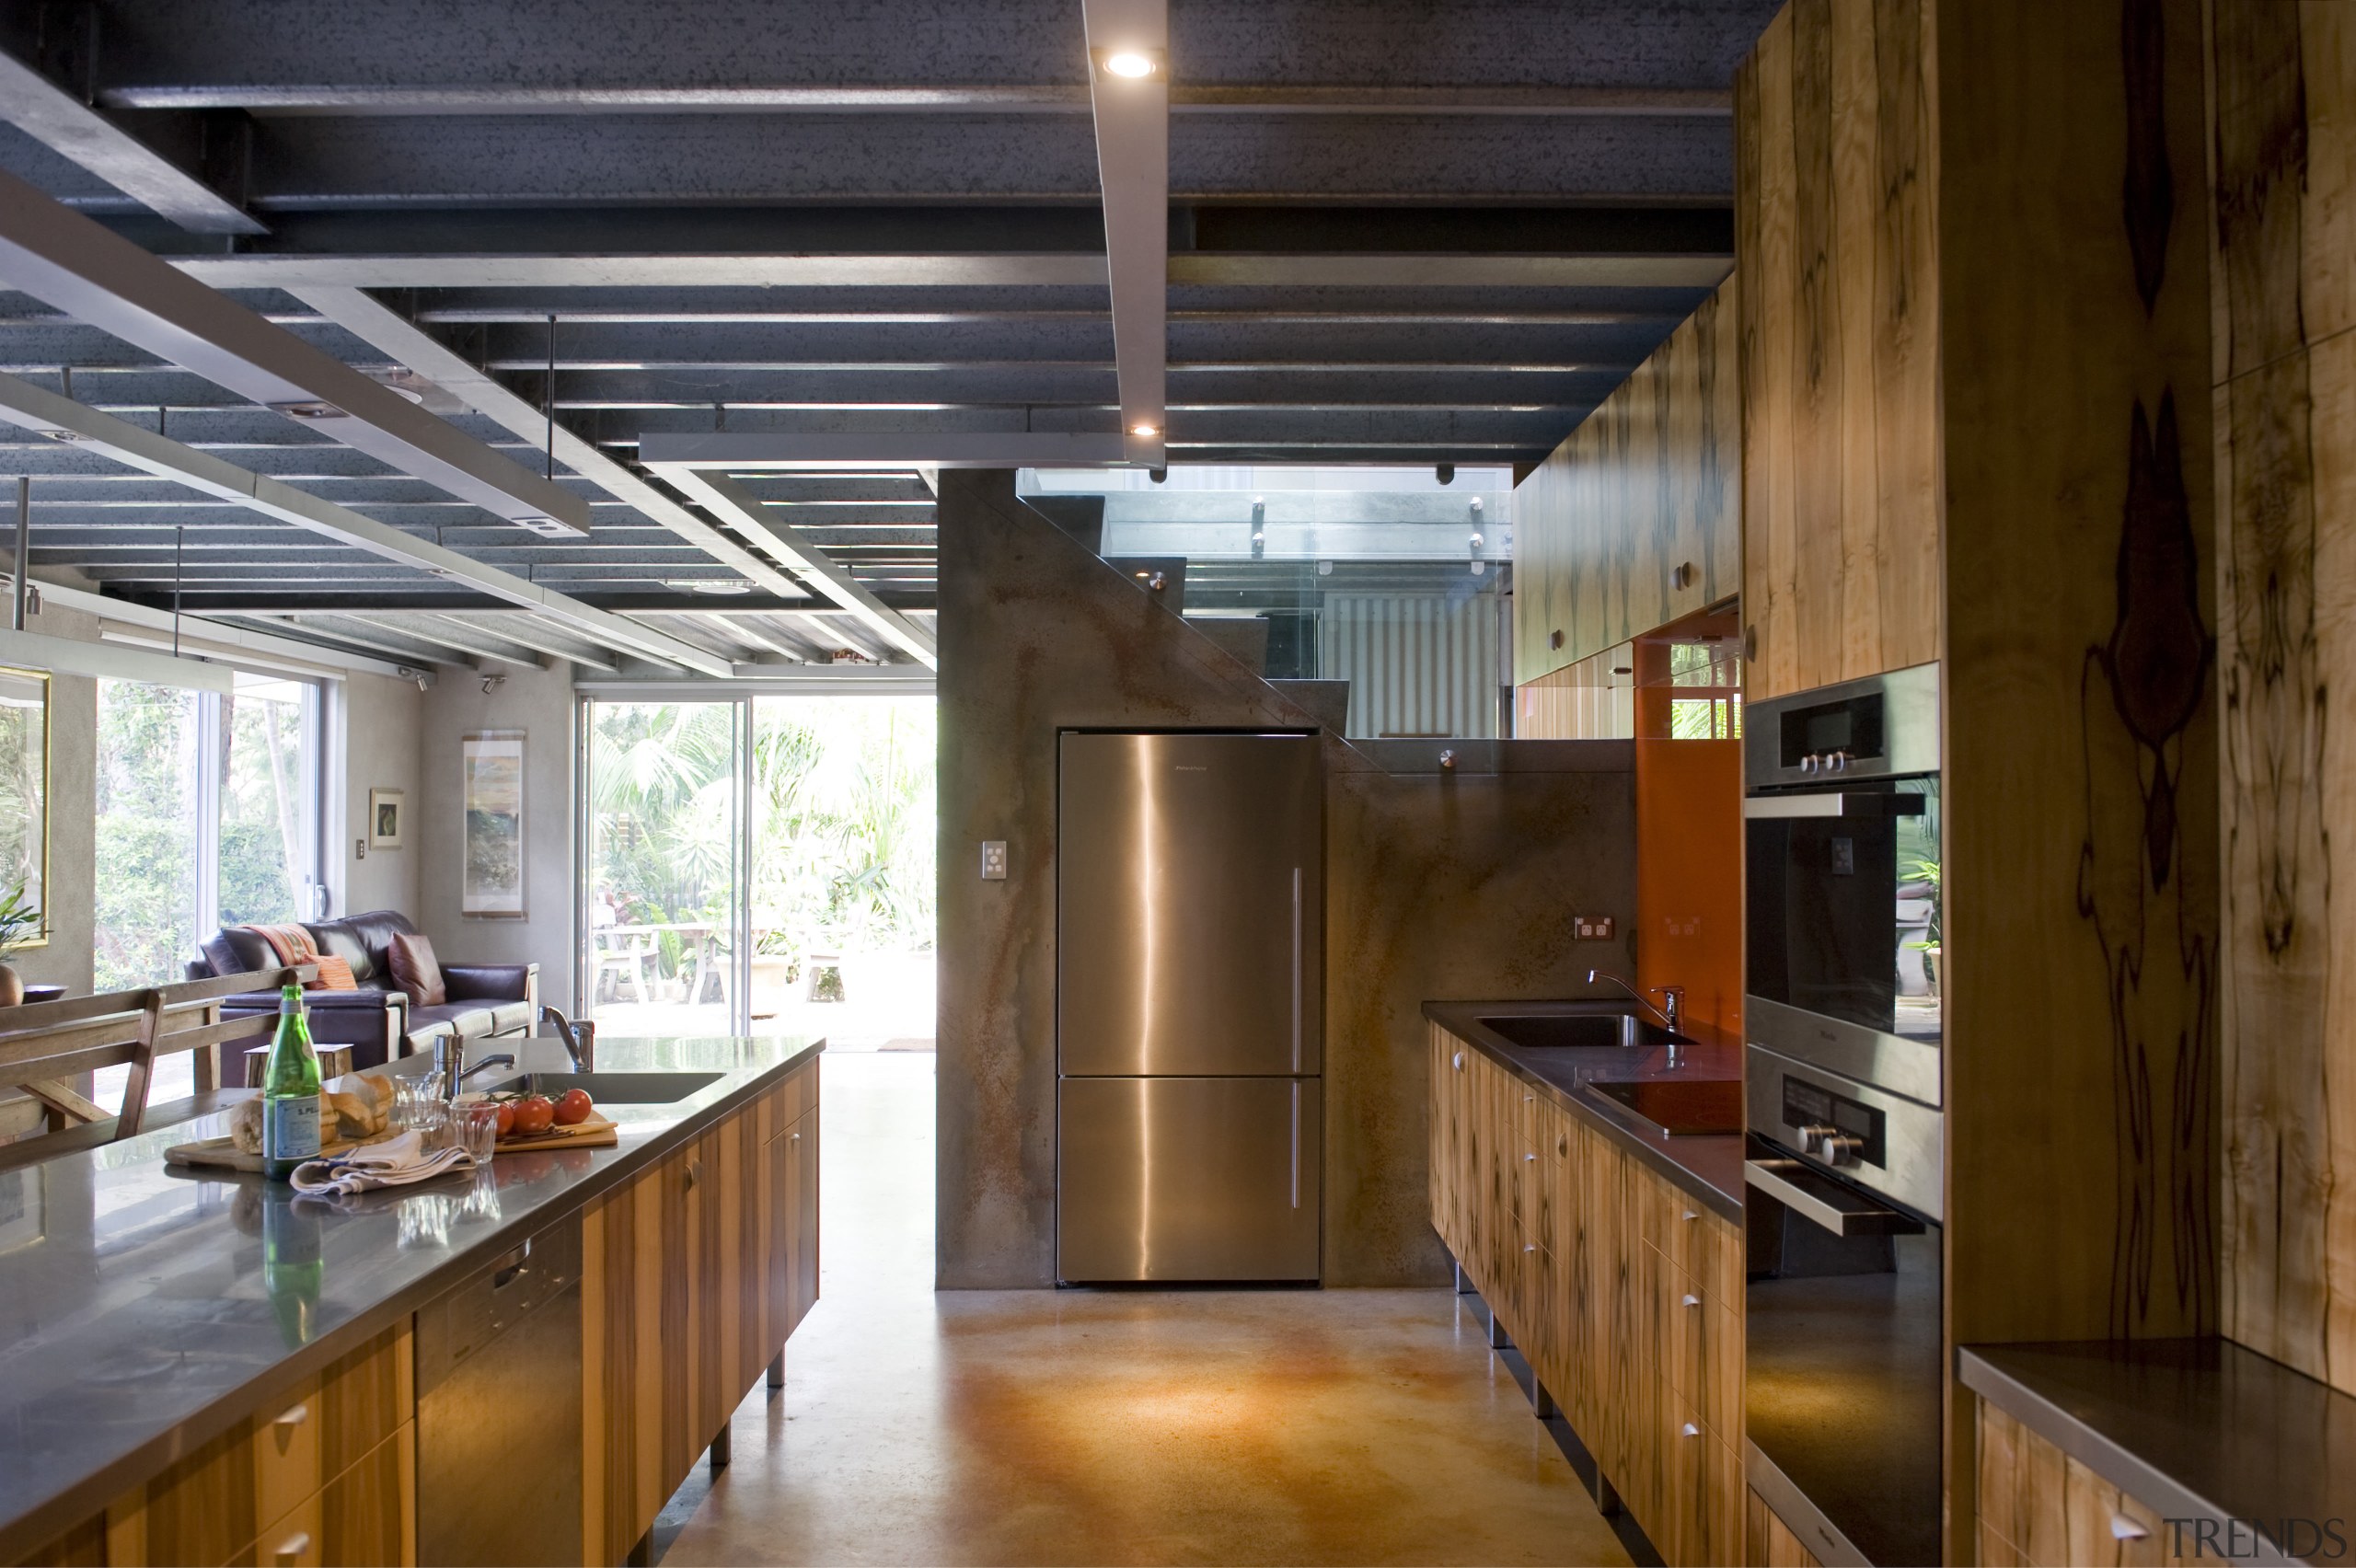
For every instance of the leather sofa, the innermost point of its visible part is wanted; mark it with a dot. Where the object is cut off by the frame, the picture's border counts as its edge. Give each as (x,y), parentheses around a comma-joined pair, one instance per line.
(487,1001)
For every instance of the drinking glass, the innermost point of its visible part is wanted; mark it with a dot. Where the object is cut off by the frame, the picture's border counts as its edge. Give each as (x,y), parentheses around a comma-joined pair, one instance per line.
(475,1130)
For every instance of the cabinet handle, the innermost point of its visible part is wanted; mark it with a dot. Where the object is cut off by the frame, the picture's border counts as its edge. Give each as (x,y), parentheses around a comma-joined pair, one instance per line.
(1692,1301)
(1691,1215)
(1457,1061)
(2124,1528)
(1527,1157)
(794,1136)
(1690,1430)
(1530,1246)
(695,1171)
(291,1550)
(293,1415)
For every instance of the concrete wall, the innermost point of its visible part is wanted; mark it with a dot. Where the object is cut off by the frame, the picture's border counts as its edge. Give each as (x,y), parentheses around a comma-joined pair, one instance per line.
(382,729)
(1439,886)
(538,702)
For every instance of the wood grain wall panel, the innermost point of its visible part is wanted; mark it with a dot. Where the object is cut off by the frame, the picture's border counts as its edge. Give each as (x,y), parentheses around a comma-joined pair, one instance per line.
(1836,171)
(2283,141)
(1633,519)
(1767,1542)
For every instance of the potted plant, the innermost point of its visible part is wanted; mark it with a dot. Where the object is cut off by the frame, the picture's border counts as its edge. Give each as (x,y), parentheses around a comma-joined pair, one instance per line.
(20,923)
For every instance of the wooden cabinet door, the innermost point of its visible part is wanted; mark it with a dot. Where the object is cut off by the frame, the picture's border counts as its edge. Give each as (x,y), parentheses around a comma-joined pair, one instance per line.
(803,1141)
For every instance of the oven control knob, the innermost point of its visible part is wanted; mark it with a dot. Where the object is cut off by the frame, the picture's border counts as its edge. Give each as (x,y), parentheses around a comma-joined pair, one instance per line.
(1809,763)
(1838,762)
(1838,1148)
(1816,1136)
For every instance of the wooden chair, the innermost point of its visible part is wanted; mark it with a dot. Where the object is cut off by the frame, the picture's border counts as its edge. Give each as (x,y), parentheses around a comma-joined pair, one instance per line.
(43,1045)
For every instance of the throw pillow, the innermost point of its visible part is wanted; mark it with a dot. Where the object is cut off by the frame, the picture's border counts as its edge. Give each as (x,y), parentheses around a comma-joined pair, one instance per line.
(335,974)
(415,969)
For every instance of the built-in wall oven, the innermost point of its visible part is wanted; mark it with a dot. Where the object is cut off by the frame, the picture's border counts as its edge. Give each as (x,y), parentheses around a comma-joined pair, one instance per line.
(1843,1367)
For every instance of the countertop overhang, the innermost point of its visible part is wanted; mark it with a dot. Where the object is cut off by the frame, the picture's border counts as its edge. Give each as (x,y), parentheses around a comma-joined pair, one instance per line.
(2200,1429)
(1707,1165)
(135,1321)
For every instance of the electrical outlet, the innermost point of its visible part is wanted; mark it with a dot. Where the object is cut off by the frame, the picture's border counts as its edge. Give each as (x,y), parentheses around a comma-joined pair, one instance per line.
(1591,927)
(994,859)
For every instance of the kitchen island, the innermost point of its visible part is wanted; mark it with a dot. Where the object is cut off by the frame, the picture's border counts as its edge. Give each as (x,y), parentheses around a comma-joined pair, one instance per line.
(1610,1254)
(194,1367)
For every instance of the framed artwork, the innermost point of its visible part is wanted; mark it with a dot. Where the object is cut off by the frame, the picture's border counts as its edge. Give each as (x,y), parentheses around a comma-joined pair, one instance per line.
(491,881)
(387,819)
(24,791)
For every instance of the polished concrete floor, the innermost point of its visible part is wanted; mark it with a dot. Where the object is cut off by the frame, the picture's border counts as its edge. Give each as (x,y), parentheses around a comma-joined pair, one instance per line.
(1113,1426)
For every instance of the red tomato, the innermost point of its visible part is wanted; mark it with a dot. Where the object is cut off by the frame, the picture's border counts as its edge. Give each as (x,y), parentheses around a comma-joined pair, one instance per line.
(574,1107)
(506,1117)
(534,1115)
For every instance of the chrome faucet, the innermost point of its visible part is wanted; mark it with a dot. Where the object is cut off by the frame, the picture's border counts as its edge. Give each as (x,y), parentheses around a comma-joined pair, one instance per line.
(449,1060)
(580,1039)
(1672,1017)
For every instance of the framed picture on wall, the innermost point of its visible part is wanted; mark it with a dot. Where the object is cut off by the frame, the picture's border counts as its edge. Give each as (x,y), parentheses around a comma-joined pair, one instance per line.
(387,819)
(490,880)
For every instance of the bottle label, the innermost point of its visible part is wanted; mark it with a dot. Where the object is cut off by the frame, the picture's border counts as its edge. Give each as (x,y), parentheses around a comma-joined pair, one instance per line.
(290,1127)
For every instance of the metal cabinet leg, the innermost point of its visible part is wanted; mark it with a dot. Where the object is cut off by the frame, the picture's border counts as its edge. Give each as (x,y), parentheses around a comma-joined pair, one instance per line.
(1464,1283)
(1498,1339)
(1541,1403)
(723,1448)
(777,1371)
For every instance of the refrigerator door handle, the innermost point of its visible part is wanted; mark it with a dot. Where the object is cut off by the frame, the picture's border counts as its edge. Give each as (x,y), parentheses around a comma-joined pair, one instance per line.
(1296,1143)
(1296,987)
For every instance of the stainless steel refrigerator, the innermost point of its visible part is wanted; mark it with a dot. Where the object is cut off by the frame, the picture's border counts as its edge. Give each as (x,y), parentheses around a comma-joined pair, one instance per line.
(1190,875)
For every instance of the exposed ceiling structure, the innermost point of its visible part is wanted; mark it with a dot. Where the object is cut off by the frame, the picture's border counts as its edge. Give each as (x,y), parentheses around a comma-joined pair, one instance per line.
(861,237)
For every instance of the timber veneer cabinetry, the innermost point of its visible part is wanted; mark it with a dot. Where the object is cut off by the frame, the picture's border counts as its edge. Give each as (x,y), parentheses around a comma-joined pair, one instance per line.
(694,1272)
(693,1276)
(1622,1291)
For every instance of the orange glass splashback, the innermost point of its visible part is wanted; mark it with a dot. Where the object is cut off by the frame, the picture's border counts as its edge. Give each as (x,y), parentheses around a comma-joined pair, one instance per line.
(1688,815)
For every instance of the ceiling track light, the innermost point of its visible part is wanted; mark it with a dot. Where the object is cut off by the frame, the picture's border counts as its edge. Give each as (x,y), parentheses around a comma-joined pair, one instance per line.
(1145,430)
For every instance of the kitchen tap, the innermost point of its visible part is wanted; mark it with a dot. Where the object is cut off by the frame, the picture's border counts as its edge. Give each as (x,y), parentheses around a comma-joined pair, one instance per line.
(1671,1017)
(449,1060)
(580,1039)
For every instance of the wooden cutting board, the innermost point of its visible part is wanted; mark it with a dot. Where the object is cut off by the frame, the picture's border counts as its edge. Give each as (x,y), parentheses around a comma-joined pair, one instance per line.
(593,1131)
(222,1154)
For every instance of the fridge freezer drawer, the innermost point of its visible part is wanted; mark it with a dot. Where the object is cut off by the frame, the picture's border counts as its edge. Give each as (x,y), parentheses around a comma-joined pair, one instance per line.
(1188,1179)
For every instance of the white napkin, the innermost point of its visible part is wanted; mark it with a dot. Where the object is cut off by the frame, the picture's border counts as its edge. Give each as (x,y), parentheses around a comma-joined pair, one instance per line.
(395,1162)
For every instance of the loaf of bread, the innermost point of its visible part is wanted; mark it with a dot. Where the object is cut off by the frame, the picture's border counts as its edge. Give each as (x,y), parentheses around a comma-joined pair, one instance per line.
(354,1107)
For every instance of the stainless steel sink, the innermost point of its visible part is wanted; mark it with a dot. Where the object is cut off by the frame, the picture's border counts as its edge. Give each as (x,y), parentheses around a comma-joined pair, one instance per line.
(611,1088)
(1541,1032)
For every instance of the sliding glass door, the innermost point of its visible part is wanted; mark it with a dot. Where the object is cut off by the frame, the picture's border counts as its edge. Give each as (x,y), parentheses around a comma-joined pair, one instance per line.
(662,908)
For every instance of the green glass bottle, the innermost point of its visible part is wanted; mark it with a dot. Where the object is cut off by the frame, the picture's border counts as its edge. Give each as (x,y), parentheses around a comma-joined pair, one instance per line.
(290,1092)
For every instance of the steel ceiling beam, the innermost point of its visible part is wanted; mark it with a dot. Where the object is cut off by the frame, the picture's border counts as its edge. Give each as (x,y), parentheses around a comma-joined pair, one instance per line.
(724,498)
(296,101)
(299,273)
(387,329)
(35,409)
(95,275)
(88,138)
(528,631)
(1129,52)
(474,644)
(913,450)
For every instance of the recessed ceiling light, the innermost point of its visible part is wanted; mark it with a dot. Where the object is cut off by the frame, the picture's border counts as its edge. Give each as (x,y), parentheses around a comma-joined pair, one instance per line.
(1145,432)
(308,411)
(729,586)
(1131,63)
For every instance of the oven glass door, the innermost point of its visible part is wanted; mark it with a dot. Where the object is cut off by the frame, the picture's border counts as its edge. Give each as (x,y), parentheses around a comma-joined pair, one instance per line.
(1844,910)
(1843,1370)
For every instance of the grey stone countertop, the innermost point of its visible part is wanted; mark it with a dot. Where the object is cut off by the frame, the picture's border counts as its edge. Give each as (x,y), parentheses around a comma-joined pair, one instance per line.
(1707,1165)
(2201,1430)
(138,1320)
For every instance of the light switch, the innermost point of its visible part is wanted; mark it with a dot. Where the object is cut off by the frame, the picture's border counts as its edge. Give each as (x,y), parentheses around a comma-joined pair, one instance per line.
(994,859)
(359,848)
